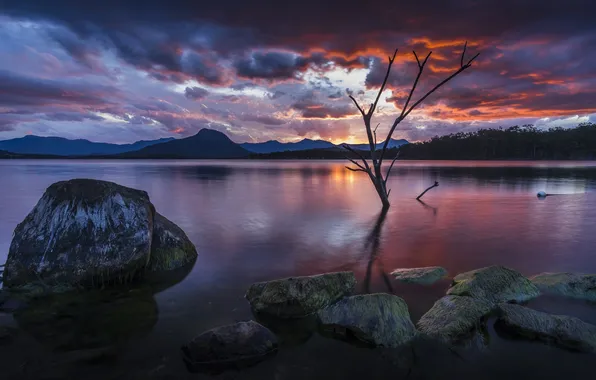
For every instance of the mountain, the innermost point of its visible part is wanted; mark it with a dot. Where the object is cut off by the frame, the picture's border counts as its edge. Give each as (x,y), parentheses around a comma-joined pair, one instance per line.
(64,147)
(392,144)
(208,143)
(276,146)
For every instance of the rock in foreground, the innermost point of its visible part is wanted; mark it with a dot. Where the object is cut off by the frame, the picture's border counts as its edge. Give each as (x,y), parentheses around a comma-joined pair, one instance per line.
(575,285)
(82,231)
(376,319)
(297,297)
(170,249)
(454,319)
(423,276)
(563,331)
(232,346)
(495,284)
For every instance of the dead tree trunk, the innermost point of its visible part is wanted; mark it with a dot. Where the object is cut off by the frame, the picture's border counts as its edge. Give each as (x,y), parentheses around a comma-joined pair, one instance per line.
(424,192)
(374,169)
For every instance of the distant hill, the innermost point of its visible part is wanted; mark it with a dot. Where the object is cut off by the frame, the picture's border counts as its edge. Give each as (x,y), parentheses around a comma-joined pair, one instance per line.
(335,153)
(273,146)
(60,146)
(392,144)
(208,143)
(276,146)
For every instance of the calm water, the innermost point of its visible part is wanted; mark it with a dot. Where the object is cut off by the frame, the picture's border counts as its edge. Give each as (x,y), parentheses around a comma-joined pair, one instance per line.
(254,221)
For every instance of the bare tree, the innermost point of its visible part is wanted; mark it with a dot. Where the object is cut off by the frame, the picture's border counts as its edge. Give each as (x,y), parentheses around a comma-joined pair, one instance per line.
(374,171)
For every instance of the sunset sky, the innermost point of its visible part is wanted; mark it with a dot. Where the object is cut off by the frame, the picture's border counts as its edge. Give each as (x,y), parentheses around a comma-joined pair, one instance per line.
(120,71)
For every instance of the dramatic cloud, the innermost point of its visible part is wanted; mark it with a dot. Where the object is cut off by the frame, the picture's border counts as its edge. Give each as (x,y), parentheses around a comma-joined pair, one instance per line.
(262,70)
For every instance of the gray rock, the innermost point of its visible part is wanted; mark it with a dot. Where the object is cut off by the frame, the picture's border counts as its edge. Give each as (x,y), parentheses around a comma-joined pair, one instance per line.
(232,346)
(171,248)
(575,285)
(455,319)
(377,319)
(495,284)
(423,276)
(563,331)
(82,232)
(297,297)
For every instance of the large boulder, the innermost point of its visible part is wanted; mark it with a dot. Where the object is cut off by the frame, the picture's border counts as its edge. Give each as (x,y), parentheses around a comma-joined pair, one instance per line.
(376,319)
(495,284)
(575,285)
(82,232)
(297,297)
(171,248)
(233,346)
(560,330)
(422,276)
(455,319)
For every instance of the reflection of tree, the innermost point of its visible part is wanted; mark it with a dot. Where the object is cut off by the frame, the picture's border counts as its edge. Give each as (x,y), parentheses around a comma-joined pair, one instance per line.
(373,242)
(428,207)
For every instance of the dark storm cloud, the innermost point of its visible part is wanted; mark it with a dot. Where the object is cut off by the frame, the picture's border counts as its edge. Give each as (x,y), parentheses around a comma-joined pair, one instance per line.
(18,90)
(312,109)
(72,116)
(195,93)
(269,65)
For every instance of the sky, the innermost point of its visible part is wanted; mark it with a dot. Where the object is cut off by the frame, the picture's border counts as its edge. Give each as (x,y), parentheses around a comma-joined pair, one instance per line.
(121,71)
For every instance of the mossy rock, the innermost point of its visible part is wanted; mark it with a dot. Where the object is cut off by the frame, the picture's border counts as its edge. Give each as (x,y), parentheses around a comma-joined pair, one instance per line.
(560,330)
(376,319)
(171,248)
(494,284)
(89,319)
(574,285)
(455,319)
(422,276)
(297,297)
(82,232)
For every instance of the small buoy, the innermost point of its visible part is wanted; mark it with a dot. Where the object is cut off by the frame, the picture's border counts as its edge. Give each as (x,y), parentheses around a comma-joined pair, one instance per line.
(541,194)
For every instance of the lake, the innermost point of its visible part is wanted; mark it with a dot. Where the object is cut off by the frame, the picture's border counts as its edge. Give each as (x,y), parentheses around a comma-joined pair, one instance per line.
(260,220)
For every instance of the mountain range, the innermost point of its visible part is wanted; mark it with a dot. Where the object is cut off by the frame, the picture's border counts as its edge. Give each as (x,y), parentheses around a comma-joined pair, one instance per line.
(207,143)
(59,146)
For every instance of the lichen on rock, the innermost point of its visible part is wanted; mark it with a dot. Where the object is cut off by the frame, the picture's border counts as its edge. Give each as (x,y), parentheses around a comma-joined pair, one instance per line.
(297,297)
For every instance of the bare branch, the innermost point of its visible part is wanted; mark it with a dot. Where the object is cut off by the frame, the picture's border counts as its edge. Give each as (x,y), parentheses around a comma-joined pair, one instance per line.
(391,167)
(347,147)
(405,112)
(357,105)
(463,54)
(355,170)
(373,106)
(424,192)
(388,192)
(416,56)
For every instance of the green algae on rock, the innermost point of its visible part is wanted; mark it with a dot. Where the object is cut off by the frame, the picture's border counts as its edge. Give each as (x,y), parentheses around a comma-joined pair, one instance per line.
(574,285)
(455,319)
(494,284)
(423,276)
(232,346)
(171,248)
(560,330)
(377,319)
(297,297)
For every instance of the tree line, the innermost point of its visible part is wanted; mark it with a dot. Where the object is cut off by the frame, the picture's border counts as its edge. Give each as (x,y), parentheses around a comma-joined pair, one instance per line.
(517,142)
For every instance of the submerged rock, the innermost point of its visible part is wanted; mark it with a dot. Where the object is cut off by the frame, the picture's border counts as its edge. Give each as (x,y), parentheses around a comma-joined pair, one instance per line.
(495,284)
(377,319)
(233,346)
(455,319)
(290,332)
(575,285)
(560,330)
(82,231)
(297,297)
(423,276)
(171,248)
